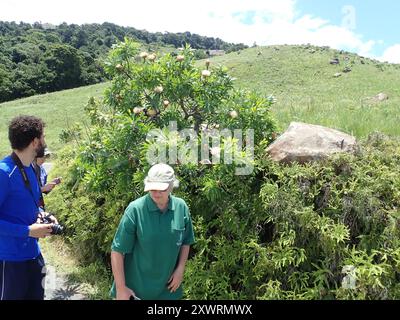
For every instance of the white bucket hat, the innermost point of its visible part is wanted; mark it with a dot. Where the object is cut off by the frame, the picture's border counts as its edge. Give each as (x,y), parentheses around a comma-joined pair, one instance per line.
(160,177)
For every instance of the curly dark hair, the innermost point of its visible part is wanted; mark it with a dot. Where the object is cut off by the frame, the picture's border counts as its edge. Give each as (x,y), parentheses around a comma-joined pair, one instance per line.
(23,130)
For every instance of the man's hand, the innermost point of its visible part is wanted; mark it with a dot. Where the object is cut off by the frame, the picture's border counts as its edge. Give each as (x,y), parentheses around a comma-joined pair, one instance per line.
(50,216)
(124,293)
(56,180)
(39,230)
(176,279)
(48,187)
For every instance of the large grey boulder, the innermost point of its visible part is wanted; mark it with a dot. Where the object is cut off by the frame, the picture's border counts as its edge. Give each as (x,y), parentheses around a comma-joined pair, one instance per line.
(306,142)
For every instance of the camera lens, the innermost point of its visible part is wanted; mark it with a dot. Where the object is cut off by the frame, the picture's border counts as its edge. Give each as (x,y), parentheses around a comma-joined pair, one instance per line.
(57,229)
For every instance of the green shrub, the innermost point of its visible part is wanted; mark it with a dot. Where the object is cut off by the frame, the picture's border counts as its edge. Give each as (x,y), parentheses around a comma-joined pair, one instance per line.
(277,232)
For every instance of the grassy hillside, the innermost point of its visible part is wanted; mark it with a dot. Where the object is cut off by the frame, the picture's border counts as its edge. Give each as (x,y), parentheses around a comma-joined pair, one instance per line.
(59,110)
(300,77)
(302,80)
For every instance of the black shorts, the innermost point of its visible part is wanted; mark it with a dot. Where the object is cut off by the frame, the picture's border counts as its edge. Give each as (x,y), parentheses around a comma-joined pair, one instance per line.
(22,280)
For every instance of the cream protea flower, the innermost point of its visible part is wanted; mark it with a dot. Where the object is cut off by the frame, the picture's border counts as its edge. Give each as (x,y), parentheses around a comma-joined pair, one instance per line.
(151,57)
(206,73)
(137,110)
(143,55)
(180,58)
(208,63)
(158,89)
(166,103)
(233,114)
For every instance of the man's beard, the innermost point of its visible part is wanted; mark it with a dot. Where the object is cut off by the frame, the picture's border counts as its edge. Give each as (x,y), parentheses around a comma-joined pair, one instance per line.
(40,151)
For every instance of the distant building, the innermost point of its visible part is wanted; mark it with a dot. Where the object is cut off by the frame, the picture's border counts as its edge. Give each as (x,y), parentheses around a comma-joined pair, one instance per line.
(48,26)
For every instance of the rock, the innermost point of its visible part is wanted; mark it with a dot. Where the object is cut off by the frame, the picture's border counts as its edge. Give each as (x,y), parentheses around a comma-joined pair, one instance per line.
(305,142)
(347,69)
(337,75)
(380,97)
(334,61)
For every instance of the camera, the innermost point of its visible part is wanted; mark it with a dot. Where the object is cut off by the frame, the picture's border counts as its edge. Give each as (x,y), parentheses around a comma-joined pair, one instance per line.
(56,229)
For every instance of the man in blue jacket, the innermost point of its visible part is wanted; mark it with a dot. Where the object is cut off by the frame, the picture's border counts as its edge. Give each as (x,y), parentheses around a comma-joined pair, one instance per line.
(21,263)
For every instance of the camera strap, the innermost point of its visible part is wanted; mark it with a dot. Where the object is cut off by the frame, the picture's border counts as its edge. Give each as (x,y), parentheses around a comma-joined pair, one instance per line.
(24,175)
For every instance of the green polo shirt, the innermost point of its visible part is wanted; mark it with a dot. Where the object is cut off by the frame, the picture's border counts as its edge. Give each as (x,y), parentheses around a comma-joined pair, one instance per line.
(151,242)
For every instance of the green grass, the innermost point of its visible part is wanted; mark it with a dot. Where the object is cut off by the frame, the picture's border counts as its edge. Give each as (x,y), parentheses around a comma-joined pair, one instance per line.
(301,81)
(306,90)
(60,110)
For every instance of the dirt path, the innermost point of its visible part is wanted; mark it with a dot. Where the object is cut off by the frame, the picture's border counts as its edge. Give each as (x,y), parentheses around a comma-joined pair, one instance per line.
(59,288)
(59,266)
(60,283)
(66,277)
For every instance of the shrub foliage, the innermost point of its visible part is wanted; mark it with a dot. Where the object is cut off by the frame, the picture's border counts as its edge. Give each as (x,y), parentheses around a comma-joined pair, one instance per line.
(318,231)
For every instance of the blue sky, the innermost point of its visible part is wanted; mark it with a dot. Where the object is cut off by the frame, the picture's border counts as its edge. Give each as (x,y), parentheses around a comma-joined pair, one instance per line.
(376,20)
(367,27)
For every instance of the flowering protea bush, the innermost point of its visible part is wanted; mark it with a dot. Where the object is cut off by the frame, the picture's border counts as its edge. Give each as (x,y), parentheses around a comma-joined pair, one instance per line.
(319,231)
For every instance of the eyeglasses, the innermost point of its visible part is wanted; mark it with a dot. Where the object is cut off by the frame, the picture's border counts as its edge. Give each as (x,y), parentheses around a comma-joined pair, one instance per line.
(162,191)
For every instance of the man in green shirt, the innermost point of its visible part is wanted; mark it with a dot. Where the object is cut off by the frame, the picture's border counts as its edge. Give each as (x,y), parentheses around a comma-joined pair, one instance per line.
(152,243)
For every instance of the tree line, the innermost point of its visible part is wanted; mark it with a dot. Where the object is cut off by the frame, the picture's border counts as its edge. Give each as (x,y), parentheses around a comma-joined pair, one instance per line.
(38,58)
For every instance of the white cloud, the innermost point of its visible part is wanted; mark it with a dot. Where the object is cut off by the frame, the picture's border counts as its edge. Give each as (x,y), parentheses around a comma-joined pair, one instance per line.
(273,22)
(392,54)
(155,15)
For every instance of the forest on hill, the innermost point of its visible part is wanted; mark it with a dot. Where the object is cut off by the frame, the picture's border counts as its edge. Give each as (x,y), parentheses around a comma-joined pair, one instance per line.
(39,58)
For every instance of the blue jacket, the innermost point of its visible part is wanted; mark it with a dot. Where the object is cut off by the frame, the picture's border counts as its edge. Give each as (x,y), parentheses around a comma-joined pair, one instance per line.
(18,210)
